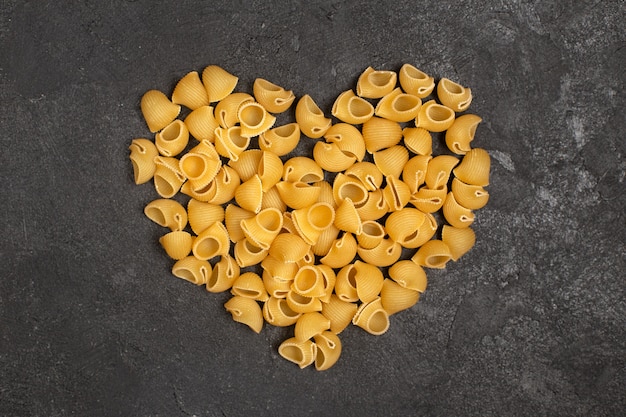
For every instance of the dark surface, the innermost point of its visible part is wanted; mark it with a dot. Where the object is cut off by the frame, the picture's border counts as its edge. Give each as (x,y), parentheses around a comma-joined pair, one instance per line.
(531,322)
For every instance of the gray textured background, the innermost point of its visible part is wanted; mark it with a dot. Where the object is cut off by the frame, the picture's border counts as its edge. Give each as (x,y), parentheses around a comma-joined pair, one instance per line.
(531,322)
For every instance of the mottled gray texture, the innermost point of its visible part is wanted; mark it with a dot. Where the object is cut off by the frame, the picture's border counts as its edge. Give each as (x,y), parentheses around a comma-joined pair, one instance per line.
(531,322)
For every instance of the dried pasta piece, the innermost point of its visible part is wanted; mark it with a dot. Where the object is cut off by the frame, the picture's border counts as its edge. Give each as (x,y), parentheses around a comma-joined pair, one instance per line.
(190,92)
(403,226)
(309,282)
(247,164)
(330,158)
(414,172)
(347,218)
(329,278)
(339,312)
(433,254)
(202,215)
(231,142)
(392,160)
(350,108)
(233,216)
(302,169)
(167,213)
(167,178)
(379,133)
(254,119)
(409,275)
(298,195)
(271,198)
(207,148)
(199,168)
(472,197)
(461,133)
(248,253)
(310,118)
(177,244)
(263,228)
(342,252)
(395,297)
(349,187)
(158,111)
(275,286)
(372,234)
(192,269)
(374,207)
(289,248)
(142,154)
(438,171)
(247,311)
(459,241)
(309,325)
(307,260)
(326,193)
(474,168)
(434,117)
(428,200)
(270,170)
(375,84)
(226,111)
(202,123)
(224,274)
(284,270)
(345,284)
(386,253)
(456,214)
(250,285)
(281,140)
(172,139)
(225,185)
(348,138)
(369,281)
(372,317)
(416,82)
(211,242)
(249,195)
(311,221)
(218,82)
(277,312)
(418,140)
(454,95)
(325,241)
(302,304)
(302,354)
(368,173)
(271,96)
(396,193)
(398,106)
(328,350)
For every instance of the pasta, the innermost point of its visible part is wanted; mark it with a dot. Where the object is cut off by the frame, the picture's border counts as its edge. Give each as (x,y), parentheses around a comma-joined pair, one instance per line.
(409,275)
(345,285)
(415,82)
(263,228)
(247,163)
(456,214)
(224,185)
(352,109)
(310,118)
(418,140)
(283,270)
(325,241)
(369,281)
(158,111)
(177,244)
(167,213)
(398,106)
(280,140)
(372,317)
(375,84)
(298,195)
(472,197)
(302,354)
(218,82)
(227,110)
(277,312)
(211,242)
(396,193)
(303,304)
(328,350)
(339,312)
(271,96)
(395,298)
(167,178)
(392,160)
(271,199)
(249,195)
(474,168)
(434,117)
(403,226)
(248,253)
(347,218)
(308,282)
(270,170)
(374,207)
(199,168)
(367,173)
(428,200)
(433,254)
(379,133)
(289,248)
(461,133)
(202,215)
(348,138)
(341,252)
(386,253)
(348,187)
(302,169)
(453,95)
(201,123)
(142,154)
(231,142)
(438,171)
(250,285)
(172,139)
(233,216)
(247,311)
(330,158)
(254,119)
(224,274)
(414,172)
(190,92)
(459,241)
(310,222)
(192,269)
(309,325)
(371,235)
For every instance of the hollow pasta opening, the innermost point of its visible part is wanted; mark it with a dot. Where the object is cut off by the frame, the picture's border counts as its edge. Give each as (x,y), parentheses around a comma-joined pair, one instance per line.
(266,85)
(193,166)
(270,220)
(252,115)
(235,137)
(321,216)
(439,113)
(244,292)
(306,279)
(380,78)
(312,107)
(163,186)
(286,130)
(354,192)
(320,359)
(452,87)
(437,260)
(405,103)
(285,309)
(413,72)
(378,322)
(171,132)
(252,248)
(359,107)
(208,247)
(373,229)
(293,353)
(157,216)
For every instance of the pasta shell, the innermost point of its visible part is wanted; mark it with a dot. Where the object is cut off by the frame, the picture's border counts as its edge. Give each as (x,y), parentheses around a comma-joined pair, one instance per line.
(456,214)
(342,252)
(403,226)
(459,241)
(375,84)
(250,285)
(310,118)
(325,241)
(192,269)
(374,207)
(396,193)
(368,173)
(311,221)
(263,228)
(307,260)
(233,216)
(142,154)
(394,297)
(326,194)
(328,350)
(271,96)
(270,170)
(302,169)
(202,123)
(271,199)
(202,215)
(298,195)
(398,106)
(254,119)
(352,109)
(409,275)
(309,325)
(167,213)
(218,82)
(167,181)
(302,354)
(207,148)
(474,168)
(249,194)
(329,279)
(428,200)
(386,253)
(418,140)
(372,317)
(177,244)
(454,95)
(224,274)
(289,248)
(225,183)
(199,168)
(345,285)
(380,133)
(280,269)
(303,304)
(172,139)
(426,231)
(434,117)
(158,111)
(372,234)
(309,282)
(247,164)
(347,218)
(414,172)
(339,312)
(288,226)
(348,138)
(416,82)
(248,253)
(190,92)
(226,111)
(230,142)
(461,133)
(472,197)
(247,311)
(212,242)
(433,254)
(438,171)
(330,158)
(277,312)
(369,281)
(390,161)
(349,187)
(281,140)
(275,286)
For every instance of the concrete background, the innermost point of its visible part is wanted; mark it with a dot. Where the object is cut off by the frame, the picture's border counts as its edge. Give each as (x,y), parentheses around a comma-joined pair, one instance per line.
(530,323)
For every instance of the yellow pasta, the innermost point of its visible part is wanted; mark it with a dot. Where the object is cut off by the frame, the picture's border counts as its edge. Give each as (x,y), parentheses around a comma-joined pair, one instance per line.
(325,241)
(225,185)
(369,281)
(302,304)
(142,154)
(250,285)
(307,260)
(283,270)
(418,140)
(403,226)
(352,109)
(202,215)
(271,96)
(309,325)
(177,244)
(248,253)
(414,172)
(277,312)
(330,158)
(328,350)
(433,254)
(202,123)
(379,133)
(472,197)
(158,111)
(461,133)
(167,213)
(271,198)
(302,354)
(207,148)
(172,139)
(288,226)
(329,279)
(456,214)
(310,118)
(247,164)
(288,247)
(193,270)
(371,235)
(428,200)
(167,177)
(254,119)
(218,82)
(367,173)
(226,111)
(416,82)
(409,275)
(372,317)
(339,312)
(375,84)
(349,187)
(275,286)
(190,92)
(309,282)
(311,221)
(459,241)
(199,168)
(392,160)
(396,193)
(438,171)
(454,95)
(249,195)
(345,284)
(342,252)
(434,117)
(224,274)
(302,169)
(211,242)
(348,138)
(474,168)
(247,311)
(233,216)
(298,194)
(394,297)
(270,170)
(386,253)
(398,106)
(326,193)
(347,218)
(263,228)
(230,142)
(374,207)
(281,140)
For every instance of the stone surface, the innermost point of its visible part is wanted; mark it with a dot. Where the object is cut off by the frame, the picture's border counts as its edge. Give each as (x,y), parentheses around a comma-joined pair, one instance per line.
(531,322)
